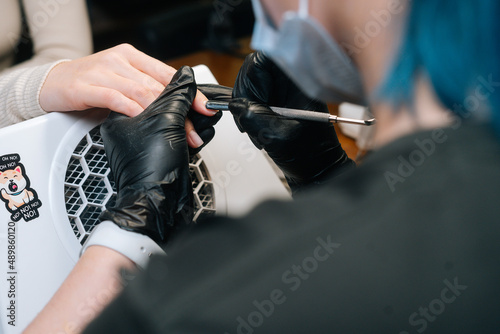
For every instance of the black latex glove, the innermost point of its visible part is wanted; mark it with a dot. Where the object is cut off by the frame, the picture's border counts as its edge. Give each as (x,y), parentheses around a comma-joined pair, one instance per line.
(149,158)
(204,125)
(307,152)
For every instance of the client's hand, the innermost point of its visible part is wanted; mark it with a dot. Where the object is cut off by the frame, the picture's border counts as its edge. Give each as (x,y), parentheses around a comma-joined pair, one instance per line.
(122,79)
(149,158)
(201,124)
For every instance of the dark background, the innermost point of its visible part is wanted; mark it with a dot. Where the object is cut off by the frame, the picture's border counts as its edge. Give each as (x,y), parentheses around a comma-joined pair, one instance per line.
(169,29)
(165,29)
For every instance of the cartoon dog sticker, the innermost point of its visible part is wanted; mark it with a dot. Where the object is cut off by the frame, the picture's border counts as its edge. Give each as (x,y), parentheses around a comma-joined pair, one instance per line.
(14,188)
(20,199)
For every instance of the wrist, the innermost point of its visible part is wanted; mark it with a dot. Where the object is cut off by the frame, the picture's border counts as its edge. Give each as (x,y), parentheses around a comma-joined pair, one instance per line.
(46,96)
(109,258)
(137,247)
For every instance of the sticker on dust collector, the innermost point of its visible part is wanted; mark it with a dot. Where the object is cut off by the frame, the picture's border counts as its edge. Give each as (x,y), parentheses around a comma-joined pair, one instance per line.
(15,189)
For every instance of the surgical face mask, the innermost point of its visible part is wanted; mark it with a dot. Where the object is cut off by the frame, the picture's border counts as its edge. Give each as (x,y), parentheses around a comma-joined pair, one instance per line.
(306,52)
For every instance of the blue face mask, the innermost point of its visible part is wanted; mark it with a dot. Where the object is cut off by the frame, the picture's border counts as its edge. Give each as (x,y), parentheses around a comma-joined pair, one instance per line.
(307,53)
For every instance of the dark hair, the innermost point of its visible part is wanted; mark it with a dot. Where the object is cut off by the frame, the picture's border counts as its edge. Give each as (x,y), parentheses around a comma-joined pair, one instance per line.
(455,44)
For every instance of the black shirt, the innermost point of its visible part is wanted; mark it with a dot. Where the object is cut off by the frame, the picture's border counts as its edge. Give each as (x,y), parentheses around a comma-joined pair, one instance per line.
(407,243)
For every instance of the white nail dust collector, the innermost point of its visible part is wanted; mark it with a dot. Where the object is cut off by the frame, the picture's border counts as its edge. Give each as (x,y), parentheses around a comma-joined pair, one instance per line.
(55,181)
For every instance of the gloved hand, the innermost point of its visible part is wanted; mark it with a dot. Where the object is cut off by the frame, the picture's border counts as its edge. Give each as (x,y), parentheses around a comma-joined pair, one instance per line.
(307,152)
(149,158)
(204,125)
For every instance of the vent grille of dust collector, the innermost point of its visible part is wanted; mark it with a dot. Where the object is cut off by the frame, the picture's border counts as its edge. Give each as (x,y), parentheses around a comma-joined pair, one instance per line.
(89,187)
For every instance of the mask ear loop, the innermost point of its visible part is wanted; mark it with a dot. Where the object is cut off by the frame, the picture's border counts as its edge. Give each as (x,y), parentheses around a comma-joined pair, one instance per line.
(303,8)
(262,16)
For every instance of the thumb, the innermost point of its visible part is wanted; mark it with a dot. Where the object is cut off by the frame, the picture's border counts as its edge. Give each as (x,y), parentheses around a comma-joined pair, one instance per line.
(251,117)
(239,107)
(244,110)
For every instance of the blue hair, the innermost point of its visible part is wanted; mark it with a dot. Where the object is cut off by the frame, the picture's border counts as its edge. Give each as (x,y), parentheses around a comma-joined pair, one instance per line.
(456,45)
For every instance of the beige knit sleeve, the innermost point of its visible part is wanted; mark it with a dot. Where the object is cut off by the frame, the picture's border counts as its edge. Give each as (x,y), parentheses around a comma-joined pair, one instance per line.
(60,29)
(20,91)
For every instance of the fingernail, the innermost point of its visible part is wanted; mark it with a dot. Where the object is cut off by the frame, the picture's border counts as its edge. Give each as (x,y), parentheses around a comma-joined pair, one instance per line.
(211,111)
(195,138)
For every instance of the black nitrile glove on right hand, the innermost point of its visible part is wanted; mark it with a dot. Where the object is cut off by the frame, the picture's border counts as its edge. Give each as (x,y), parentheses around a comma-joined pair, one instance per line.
(204,125)
(149,158)
(307,152)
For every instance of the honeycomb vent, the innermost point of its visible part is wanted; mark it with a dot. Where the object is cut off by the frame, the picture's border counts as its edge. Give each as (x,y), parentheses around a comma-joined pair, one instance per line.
(89,187)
